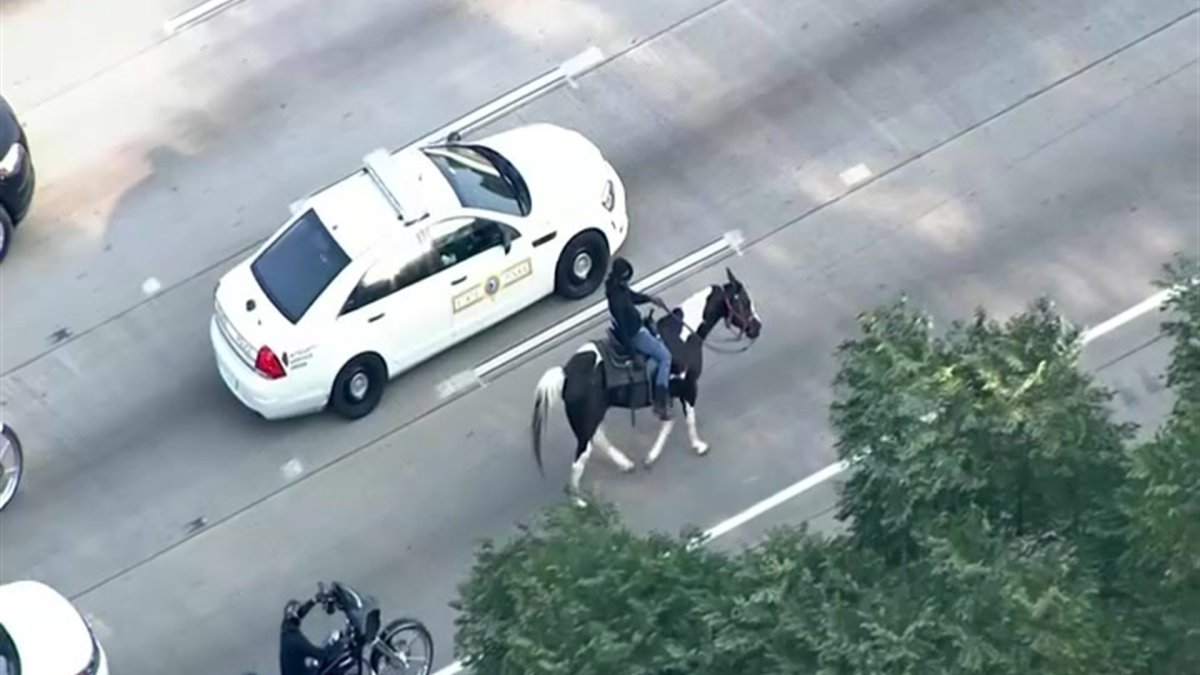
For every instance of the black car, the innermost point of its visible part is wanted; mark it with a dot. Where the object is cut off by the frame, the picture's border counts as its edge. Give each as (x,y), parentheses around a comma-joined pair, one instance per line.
(16,175)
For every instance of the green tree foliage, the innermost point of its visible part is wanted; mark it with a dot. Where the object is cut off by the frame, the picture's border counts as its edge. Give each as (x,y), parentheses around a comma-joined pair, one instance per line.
(997,417)
(1000,521)
(1162,498)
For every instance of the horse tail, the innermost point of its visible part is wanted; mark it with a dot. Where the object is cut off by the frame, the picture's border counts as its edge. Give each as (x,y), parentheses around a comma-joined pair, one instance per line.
(549,392)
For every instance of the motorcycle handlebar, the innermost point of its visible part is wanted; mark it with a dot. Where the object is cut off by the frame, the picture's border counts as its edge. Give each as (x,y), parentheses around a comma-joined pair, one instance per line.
(326,598)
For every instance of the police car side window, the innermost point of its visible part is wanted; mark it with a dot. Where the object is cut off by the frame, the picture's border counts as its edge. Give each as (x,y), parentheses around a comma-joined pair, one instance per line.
(386,277)
(470,240)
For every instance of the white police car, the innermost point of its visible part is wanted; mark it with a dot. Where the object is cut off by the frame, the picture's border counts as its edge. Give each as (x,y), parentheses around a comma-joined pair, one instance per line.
(41,633)
(419,250)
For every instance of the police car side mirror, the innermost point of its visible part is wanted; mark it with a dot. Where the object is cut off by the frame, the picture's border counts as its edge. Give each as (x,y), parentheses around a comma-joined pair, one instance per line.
(507,241)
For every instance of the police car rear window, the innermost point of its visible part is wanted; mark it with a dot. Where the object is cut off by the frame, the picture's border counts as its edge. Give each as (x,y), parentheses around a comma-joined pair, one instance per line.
(296,267)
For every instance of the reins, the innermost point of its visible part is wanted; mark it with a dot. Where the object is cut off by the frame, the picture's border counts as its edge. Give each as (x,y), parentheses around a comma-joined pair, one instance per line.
(737,340)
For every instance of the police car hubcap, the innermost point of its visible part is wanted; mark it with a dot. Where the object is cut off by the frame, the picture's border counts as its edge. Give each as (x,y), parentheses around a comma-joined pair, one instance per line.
(359,384)
(583,266)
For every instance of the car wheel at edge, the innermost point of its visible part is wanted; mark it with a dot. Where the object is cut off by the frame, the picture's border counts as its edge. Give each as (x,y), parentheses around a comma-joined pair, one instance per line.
(358,386)
(12,463)
(582,265)
(6,232)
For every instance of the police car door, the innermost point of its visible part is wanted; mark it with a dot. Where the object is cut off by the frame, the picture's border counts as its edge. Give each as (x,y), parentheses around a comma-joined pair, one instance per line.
(488,266)
(391,310)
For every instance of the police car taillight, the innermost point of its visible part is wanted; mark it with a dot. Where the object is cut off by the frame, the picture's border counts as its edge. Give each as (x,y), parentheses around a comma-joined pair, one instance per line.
(268,364)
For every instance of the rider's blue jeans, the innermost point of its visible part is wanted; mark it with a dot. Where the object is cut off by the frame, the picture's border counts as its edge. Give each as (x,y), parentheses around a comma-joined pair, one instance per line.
(647,344)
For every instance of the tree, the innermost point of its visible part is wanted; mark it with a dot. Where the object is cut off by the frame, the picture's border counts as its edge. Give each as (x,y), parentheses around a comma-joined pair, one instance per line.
(1162,498)
(1000,522)
(997,417)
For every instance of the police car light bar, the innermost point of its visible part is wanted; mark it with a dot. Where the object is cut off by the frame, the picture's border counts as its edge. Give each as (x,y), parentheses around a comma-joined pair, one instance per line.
(378,164)
(566,73)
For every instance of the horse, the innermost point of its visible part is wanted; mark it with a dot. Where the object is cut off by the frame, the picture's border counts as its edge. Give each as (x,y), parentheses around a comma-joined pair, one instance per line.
(608,374)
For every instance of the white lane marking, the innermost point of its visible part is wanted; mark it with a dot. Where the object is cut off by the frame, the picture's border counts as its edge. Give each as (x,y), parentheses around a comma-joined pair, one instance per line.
(151,286)
(1149,304)
(795,489)
(458,382)
(855,174)
(292,469)
(473,378)
(194,15)
(809,482)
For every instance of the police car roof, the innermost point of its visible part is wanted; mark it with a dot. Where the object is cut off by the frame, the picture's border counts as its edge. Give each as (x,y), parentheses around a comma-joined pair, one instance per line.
(358,214)
(355,213)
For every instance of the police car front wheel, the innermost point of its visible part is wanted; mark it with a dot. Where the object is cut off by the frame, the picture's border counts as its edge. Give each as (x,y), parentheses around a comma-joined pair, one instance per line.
(582,265)
(358,386)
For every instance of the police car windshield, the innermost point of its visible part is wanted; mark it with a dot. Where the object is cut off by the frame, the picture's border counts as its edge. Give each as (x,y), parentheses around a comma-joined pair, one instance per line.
(482,178)
(297,266)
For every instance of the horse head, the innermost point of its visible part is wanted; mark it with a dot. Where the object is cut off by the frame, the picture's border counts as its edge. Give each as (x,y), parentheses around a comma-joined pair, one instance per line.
(733,304)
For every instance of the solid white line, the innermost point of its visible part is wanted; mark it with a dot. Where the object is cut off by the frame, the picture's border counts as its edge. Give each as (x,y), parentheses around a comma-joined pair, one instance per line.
(1105,327)
(672,270)
(809,482)
(197,13)
(794,490)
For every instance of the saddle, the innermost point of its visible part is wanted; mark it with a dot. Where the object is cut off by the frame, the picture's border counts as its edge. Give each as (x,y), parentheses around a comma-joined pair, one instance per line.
(627,373)
(623,365)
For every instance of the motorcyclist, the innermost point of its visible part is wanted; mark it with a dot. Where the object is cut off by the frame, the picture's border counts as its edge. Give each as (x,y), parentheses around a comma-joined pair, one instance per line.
(298,656)
(627,320)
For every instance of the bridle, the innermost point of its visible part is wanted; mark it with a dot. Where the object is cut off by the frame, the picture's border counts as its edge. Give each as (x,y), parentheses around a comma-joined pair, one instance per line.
(731,313)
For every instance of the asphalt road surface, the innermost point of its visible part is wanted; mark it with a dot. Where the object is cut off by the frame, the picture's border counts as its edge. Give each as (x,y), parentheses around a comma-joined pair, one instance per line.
(1011,148)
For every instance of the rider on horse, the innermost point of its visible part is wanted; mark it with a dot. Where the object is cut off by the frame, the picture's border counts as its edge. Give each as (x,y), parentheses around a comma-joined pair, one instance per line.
(628,325)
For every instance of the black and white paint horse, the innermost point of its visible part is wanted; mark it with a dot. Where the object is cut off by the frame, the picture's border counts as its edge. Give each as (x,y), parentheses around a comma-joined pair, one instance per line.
(605,374)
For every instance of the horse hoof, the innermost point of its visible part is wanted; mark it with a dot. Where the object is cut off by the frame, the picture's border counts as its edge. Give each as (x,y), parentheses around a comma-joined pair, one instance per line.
(629,468)
(580,503)
(701,448)
(649,465)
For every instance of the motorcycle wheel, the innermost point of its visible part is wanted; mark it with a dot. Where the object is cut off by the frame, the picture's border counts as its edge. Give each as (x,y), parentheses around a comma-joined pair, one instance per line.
(410,646)
(12,461)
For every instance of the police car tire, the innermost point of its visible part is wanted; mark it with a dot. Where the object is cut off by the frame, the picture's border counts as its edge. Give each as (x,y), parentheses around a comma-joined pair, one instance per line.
(565,283)
(6,224)
(339,398)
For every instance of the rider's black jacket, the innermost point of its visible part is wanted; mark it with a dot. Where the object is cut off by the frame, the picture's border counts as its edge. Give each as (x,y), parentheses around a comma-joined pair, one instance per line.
(294,647)
(622,301)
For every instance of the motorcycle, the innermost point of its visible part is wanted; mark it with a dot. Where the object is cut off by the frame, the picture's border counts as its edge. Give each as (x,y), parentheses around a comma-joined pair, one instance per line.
(12,461)
(403,647)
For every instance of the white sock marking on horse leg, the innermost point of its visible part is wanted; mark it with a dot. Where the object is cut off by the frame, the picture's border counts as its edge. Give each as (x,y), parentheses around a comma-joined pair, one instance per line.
(660,442)
(618,457)
(700,446)
(577,475)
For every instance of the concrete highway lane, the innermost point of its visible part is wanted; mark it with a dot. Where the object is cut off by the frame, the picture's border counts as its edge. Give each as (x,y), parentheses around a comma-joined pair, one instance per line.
(181,156)
(1055,152)
(1038,201)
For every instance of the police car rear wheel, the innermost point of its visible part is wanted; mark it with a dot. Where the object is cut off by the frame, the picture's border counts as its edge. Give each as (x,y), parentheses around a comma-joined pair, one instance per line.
(6,232)
(581,266)
(358,387)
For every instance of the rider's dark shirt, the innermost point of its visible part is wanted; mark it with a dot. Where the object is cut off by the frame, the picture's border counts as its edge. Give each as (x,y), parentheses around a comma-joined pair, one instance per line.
(294,646)
(621,305)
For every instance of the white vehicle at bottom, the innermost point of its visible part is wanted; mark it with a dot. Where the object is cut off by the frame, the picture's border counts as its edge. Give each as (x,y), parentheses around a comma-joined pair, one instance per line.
(41,633)
(422,249)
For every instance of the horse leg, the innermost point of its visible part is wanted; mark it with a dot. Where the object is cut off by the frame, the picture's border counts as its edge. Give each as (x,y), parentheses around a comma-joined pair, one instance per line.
(661,441)
(618,457)
(689,413)
(582,453)
(585,412)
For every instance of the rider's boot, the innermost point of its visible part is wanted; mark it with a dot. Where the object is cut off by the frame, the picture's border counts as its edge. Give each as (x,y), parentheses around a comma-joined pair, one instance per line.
(662,404)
